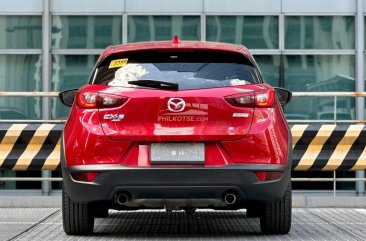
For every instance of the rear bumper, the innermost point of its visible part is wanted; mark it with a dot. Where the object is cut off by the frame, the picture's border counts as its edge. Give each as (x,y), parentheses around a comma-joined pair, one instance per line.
(172,183)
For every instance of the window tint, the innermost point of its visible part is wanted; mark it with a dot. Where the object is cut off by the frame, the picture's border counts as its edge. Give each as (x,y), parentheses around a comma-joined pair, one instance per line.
(188,70)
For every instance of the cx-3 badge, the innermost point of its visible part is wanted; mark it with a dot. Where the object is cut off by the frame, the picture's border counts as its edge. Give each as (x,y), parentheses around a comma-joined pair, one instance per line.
(114,117)
(176,104)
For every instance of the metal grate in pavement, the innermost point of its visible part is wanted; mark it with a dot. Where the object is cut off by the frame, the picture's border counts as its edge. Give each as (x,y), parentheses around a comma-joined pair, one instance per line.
(308,224)
(15,220)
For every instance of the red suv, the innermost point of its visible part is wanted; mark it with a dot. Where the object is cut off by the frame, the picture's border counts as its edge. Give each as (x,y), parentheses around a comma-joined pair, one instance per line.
(176,125)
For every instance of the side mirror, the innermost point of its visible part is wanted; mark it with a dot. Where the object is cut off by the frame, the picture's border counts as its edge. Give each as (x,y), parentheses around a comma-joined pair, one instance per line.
(67,97)
(284,96)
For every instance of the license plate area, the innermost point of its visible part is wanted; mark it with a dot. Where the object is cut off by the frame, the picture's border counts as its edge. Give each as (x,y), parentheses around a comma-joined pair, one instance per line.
(177,153)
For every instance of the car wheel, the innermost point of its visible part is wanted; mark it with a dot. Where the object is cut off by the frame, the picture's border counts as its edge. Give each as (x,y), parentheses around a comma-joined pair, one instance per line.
(77,217)
(276,216)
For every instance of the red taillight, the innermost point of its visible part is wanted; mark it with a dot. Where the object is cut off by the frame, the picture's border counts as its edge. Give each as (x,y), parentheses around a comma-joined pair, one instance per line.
(260,98)
(84,176)
(264,98)
(110,101)
(89,100)
(268,176)
(247,100)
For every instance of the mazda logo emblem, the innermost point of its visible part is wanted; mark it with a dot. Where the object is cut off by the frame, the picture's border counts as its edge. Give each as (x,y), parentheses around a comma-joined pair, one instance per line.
(176,104)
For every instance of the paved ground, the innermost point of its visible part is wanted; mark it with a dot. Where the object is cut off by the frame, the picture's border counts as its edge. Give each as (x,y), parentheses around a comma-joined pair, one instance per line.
(308,224)
(16,220)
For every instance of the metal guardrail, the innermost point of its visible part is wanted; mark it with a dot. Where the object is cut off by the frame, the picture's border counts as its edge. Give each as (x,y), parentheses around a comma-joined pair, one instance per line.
(294,94)
(28,94)
(334,180)
(296,179)
(329,94)
(335,95)
(30,179)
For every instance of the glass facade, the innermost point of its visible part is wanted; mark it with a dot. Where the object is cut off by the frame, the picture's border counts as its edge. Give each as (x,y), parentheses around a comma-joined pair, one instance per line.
(320,73)
(255,32)
(69,72)
(80,32)
(20,32)
(150,28)
(301,51)
(320,32)
(75,34)
(72,35)
(270,68)
(20,73)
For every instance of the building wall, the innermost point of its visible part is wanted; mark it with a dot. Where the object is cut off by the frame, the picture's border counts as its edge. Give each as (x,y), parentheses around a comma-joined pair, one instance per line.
(306,46)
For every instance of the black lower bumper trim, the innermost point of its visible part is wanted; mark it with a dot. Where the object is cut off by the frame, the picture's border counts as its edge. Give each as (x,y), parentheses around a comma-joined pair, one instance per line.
(195,182)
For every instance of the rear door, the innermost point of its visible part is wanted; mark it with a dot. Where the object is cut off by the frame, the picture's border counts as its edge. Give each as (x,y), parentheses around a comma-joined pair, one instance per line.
(191,115)
(198,110)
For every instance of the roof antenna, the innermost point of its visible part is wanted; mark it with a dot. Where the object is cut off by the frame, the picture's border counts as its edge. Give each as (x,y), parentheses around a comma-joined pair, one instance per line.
(175,40)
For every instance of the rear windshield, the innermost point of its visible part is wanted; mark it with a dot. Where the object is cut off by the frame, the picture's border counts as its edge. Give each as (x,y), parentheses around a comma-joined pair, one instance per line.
(190,70)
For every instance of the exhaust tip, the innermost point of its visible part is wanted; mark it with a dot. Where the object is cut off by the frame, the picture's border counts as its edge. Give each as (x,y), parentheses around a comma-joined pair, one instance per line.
(230,198)
(122,198)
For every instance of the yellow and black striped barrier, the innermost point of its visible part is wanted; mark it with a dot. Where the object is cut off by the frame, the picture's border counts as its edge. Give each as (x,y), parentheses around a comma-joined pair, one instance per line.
(30,146)
(329,147)
(316,147)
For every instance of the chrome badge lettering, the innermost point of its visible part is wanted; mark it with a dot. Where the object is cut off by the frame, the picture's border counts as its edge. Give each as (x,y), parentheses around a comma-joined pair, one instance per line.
(240,115)
(114,117)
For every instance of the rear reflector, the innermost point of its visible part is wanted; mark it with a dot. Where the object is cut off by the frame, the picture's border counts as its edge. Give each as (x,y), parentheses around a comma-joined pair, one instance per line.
(84,176)
(268,176)
(89,100)
(260,98)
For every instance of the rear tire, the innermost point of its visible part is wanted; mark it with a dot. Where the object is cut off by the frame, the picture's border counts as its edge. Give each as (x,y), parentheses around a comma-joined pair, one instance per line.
(276,216)
(77,218)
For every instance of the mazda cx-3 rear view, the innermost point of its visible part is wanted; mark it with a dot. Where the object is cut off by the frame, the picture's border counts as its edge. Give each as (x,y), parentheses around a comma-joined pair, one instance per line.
(178,125)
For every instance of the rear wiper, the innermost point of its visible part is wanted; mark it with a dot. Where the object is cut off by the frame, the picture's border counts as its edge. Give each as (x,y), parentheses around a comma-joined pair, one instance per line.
(164,85)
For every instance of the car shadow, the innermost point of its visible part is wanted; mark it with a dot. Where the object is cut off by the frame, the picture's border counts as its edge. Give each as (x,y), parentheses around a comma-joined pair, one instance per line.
(150,224)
